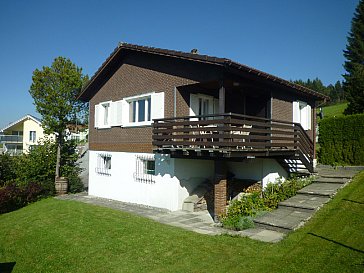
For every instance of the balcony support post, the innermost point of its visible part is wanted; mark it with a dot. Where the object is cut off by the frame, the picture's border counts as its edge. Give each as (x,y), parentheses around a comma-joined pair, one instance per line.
(220,188)
(221,98)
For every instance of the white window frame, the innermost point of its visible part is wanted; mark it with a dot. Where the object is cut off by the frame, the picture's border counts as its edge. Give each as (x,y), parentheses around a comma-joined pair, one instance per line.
(147,110)
(141,172)
(32,136)
(119,113)
(302,114)
(101,122)
(103,162)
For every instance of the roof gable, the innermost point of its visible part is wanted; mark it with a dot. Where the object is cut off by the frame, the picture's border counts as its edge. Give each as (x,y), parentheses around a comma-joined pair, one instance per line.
(89,90)
(21,120)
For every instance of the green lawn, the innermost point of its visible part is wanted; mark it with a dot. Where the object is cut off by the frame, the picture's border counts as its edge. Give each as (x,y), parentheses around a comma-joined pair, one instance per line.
(67,236)
(334,110)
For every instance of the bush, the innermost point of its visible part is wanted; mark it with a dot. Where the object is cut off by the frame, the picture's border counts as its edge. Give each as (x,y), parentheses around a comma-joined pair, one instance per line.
(280,191)
(241,212)
(7,168)
(341,140)
(13,196)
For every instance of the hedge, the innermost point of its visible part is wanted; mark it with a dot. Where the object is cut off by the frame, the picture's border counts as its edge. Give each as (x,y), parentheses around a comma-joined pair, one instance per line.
(341,140)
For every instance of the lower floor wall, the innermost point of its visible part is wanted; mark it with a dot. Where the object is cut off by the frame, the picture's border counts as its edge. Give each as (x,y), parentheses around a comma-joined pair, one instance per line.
(174,179)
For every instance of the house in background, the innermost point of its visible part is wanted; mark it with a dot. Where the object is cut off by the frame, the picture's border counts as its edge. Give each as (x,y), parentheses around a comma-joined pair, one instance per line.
(164,122)
(19,136)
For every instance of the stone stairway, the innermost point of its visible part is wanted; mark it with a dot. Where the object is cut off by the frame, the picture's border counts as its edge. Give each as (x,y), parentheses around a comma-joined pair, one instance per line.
(295,211)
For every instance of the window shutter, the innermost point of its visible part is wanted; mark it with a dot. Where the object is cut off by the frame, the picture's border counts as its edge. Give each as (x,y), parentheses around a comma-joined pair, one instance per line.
(296,112)
(112,114)
(119,113)
(97,115)
(309,117)
(124,112)
(157,101)
(193,106)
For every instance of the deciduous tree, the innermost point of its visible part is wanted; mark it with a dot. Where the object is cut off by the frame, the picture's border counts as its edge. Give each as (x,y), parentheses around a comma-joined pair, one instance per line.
(55,90)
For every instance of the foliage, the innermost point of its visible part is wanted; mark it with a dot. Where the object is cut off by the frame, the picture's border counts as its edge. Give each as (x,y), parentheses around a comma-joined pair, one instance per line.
(280,191)
(341,140)
(7,168)
(55,90)
(354,64)
(20,173)
(238,222)
(335,92)
(240,212)
(13,196)
(39,165)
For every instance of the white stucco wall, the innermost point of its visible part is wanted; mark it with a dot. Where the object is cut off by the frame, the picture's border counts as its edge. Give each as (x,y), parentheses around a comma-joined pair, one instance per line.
(31,125)
(175,178)
(261,169)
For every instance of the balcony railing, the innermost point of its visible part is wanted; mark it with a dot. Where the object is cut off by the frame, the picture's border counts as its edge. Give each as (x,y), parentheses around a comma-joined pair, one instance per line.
(232,133)
(11,138)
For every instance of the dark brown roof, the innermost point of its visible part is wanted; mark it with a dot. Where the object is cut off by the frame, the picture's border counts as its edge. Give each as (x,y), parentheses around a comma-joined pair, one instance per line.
(85,95)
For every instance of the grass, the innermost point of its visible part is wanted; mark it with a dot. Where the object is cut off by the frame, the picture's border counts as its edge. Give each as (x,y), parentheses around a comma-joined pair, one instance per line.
(66,236)
(334,110)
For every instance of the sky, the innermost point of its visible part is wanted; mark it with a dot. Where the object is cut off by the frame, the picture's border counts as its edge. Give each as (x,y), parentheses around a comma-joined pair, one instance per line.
(292,39)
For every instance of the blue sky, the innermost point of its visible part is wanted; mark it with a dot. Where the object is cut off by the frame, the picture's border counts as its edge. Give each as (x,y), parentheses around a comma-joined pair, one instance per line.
(292,39)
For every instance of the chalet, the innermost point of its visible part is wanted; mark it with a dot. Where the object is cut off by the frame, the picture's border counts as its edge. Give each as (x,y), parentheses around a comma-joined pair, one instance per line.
(163,122)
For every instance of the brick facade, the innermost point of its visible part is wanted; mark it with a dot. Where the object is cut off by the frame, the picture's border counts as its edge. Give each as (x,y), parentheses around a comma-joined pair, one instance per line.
(138,74)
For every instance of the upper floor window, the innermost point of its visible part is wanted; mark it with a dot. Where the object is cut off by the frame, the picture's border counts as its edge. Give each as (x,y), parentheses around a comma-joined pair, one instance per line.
(140,110)
(131,111)
(32,136)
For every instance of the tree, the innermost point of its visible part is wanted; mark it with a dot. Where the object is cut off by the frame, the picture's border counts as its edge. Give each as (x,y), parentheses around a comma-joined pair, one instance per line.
(354,64)
(55,90)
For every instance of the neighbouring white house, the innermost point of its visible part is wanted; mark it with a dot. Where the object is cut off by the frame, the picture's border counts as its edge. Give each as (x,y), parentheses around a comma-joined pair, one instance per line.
(164,123)
(21,135)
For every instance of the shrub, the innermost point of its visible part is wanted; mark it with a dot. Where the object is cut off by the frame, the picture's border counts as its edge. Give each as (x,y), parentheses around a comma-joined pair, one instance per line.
(280,191)
(13,196)
(241,212)
(7,168)
(341,140)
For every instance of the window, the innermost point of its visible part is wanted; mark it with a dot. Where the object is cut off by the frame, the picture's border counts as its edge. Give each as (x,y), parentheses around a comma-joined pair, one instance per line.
(145,168)
(140,110)
(131,111)
(302,114)
(103,164)
(105,109)
(32,136)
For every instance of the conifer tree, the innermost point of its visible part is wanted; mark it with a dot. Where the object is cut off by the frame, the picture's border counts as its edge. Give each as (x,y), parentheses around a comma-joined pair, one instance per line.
(354,64)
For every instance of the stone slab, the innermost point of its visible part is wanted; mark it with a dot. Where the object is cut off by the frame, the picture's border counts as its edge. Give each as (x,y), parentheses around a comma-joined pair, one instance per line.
(304,201)
(323,189)
(284,218)
(268,236)
(323,179)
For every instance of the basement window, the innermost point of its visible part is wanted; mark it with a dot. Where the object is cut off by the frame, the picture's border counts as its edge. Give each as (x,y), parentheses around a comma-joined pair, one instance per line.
(103,164)
(145,169)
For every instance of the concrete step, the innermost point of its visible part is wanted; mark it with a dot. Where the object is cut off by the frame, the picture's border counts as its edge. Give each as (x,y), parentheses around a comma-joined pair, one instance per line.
(321,189)
(304,202)
(283,219)
(327,174)
(325,179)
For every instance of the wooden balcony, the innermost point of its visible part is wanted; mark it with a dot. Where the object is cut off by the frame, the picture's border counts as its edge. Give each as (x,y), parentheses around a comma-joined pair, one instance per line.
(232,136)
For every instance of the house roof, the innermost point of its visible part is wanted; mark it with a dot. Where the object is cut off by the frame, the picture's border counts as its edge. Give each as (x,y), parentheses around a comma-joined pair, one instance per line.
(21,120)
(86,92)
